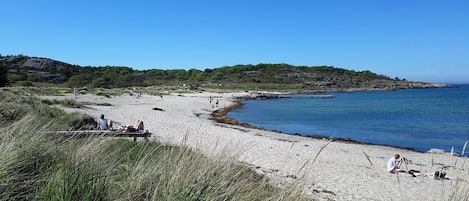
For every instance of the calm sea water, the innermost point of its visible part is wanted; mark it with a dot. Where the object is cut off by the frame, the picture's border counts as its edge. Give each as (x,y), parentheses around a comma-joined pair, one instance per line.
(417,118)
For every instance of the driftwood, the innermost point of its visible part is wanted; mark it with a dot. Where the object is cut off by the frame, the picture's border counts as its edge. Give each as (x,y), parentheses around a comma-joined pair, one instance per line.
(96,104)
(102,133)
(159,109)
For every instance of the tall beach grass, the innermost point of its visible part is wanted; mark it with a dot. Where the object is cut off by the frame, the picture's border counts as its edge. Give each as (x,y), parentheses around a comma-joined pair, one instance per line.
(38,165)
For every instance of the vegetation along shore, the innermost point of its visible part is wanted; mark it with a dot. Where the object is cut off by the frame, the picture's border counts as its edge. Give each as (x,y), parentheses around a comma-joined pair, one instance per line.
(35,71)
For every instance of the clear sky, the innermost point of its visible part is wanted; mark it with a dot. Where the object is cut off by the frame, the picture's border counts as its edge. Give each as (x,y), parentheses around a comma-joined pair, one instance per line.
(420,40)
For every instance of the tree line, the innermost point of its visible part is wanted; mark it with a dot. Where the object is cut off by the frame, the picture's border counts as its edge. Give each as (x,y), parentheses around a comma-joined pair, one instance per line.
(12,71)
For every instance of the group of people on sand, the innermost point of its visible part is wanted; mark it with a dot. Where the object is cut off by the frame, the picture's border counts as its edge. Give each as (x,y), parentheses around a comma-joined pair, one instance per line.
(106,124)
(211,100)
(394,166)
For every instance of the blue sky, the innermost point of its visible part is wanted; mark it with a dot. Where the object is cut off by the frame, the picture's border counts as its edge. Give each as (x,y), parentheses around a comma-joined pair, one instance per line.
(420,40)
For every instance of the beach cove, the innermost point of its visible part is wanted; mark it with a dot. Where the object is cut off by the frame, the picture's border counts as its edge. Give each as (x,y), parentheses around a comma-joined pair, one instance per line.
(420,119)
(332,170)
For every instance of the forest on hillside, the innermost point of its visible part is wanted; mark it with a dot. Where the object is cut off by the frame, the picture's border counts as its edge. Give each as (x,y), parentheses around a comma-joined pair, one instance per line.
(25,70)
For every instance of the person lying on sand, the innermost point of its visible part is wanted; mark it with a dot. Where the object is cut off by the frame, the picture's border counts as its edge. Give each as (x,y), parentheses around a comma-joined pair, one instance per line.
(129,128)
(439,175)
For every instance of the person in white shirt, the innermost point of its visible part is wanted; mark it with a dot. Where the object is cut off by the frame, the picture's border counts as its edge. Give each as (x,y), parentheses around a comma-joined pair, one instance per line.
(104,124)
(394,164)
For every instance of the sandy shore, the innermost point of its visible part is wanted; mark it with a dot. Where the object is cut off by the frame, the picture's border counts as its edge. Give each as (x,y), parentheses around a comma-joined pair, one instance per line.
(341,171)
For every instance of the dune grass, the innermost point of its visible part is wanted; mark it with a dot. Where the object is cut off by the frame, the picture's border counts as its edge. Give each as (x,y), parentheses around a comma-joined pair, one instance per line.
(39,166)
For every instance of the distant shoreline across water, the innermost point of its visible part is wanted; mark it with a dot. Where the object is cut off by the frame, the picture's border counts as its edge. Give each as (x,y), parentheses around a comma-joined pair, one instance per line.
(415,119)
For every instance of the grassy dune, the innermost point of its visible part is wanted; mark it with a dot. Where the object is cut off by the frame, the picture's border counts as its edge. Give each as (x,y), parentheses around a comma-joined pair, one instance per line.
(38,166)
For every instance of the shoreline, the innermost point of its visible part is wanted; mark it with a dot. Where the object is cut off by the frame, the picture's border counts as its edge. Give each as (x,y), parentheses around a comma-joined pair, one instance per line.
(221,116)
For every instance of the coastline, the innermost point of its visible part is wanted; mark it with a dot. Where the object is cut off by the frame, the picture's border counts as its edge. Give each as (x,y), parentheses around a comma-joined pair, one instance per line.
(384,138)
(332,170)
(221,116)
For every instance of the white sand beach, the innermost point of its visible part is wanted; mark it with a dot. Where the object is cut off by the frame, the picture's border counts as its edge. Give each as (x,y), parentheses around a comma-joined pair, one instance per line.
(341,171)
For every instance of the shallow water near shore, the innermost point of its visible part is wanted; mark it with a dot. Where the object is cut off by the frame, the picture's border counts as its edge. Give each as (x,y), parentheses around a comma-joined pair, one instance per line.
(415,118)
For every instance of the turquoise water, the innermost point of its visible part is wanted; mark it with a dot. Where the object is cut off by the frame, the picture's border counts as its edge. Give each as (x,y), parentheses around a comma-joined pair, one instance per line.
(416,118)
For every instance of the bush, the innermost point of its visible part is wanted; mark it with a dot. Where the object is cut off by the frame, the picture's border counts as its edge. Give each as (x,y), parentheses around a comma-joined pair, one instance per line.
(3,75)
(26,83)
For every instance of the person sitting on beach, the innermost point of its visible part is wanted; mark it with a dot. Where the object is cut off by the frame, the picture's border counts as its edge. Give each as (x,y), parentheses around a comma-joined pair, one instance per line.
(394,164)
(104,124)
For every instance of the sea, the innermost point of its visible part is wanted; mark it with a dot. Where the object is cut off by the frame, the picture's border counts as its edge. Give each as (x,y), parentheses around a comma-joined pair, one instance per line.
(420,119)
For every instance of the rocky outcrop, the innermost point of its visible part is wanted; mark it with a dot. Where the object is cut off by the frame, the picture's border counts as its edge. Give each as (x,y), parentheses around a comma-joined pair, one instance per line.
(375,85)
(32,62)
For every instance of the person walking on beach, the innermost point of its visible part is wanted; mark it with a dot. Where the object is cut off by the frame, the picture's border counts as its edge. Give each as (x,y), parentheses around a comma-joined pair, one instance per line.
(104,124)
(394,164)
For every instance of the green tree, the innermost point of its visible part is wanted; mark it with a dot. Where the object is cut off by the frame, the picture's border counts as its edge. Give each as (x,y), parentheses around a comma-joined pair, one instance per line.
(217,76)
(99,82)
(76,81)
(200,76)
